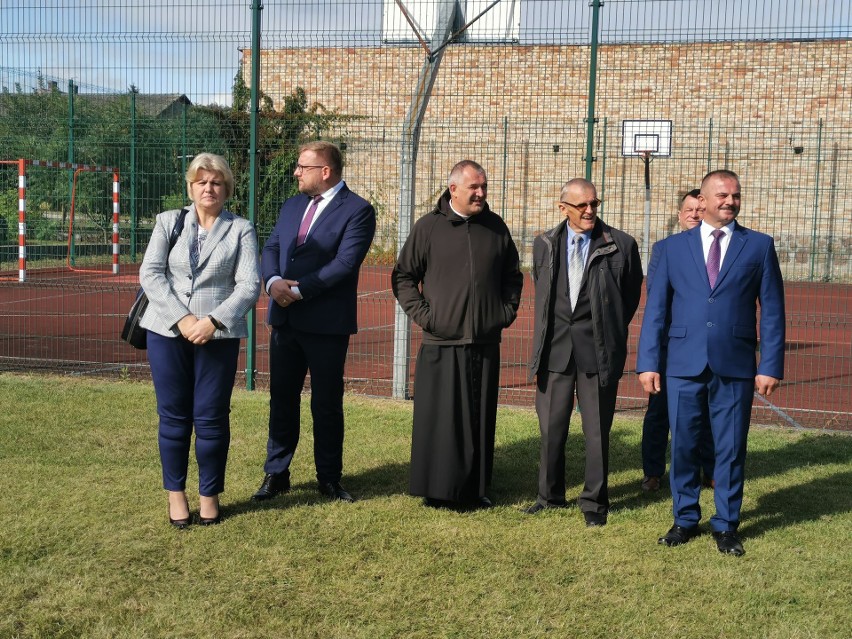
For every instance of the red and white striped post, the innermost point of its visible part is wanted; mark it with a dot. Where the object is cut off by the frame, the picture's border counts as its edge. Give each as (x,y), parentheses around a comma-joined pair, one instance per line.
(22,220)
(115,238)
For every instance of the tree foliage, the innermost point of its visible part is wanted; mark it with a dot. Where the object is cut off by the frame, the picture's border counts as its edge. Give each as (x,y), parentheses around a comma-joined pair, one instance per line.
(279,134)
(37,126)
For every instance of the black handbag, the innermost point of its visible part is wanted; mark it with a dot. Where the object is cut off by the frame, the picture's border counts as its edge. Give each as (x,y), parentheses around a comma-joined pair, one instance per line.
(133,333)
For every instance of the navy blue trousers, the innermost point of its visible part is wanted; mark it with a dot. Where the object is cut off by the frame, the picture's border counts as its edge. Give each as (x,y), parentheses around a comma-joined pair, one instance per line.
(726,403)
(292,354)
(655,437)
(193,385)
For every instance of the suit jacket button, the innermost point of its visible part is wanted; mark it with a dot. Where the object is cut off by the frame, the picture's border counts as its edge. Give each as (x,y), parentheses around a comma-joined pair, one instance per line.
(188,294)
(712,299)
(710,324)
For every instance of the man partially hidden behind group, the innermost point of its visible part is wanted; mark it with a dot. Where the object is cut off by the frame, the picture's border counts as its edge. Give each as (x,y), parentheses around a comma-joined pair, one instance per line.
(458,278)
(310,267)
(703,307)
(655,426)
(588,280)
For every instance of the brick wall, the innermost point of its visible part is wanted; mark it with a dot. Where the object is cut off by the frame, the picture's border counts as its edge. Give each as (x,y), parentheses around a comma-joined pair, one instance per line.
(740,105)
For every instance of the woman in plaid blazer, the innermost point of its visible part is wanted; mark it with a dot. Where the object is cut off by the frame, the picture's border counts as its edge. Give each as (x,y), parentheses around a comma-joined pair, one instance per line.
(199,294)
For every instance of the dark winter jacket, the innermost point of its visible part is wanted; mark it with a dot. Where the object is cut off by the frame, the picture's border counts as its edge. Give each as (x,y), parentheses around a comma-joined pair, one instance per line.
(613,281)
(459,279)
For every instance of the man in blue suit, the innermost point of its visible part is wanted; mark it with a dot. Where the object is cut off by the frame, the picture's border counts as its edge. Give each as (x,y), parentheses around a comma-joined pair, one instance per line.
(310,266)
(655,426)
(709,279)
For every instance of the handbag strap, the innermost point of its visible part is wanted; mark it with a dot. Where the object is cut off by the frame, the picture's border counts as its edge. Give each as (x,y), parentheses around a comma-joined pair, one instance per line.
(178,229)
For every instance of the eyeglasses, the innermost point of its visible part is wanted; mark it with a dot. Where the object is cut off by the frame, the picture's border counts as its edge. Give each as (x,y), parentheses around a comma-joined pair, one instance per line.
(583,205)
(304,167)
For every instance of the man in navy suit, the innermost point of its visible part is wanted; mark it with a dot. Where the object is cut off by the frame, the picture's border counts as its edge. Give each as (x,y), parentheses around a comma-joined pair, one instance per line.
(655,426)
(709,279)
(310,266)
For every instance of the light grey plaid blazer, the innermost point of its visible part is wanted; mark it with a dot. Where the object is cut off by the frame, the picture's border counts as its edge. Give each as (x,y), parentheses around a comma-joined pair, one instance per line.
(225,284)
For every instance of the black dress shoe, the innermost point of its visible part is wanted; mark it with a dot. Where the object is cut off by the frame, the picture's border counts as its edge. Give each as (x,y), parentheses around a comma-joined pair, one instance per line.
(210,521)
(728,543)
(334,490)
(537,507)
(678,535)
(181,524)
(594,520)
(484,502)
(272,486)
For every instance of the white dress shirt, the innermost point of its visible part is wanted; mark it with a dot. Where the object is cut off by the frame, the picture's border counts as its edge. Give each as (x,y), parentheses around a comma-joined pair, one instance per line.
(707,239)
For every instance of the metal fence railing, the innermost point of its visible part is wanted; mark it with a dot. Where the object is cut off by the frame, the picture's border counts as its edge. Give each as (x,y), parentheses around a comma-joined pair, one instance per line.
(536,91)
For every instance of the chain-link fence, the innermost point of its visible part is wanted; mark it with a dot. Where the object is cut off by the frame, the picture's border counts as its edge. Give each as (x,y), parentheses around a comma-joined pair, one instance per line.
(536,91)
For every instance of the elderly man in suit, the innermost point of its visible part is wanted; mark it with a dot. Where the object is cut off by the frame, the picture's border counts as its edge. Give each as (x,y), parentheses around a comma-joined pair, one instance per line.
(310,266)
(588,280)
(708,282)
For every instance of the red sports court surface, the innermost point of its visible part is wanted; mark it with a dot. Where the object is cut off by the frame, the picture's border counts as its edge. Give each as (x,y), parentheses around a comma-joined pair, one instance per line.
(67,321)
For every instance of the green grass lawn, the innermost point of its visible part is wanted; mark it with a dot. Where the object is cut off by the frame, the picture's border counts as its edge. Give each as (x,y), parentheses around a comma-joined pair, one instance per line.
(86,549)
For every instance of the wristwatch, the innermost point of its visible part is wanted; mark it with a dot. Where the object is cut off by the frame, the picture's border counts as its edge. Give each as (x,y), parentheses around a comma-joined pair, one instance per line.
(219,325)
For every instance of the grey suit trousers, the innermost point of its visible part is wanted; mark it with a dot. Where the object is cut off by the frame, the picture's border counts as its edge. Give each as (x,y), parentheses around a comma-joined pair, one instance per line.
(554,403)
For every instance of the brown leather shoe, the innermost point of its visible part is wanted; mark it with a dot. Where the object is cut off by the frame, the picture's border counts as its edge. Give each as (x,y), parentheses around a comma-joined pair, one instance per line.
(650,484)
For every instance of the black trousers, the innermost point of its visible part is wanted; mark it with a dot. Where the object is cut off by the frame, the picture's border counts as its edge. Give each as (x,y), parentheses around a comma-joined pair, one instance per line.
(292,354)
(554,402)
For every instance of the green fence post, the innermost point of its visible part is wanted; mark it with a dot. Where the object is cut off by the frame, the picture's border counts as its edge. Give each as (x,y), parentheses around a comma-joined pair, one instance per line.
(71,90)
(251,340)
(593,72)
(602,181)
(133,218)
(816,203)
(183,155)
(710,146)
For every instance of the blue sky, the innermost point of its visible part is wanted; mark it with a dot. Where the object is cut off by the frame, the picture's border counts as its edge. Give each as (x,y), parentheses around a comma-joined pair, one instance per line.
(193,48)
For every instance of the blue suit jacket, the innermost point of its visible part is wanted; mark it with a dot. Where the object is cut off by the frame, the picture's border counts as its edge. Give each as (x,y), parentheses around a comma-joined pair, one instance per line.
(715,328)
(326,265)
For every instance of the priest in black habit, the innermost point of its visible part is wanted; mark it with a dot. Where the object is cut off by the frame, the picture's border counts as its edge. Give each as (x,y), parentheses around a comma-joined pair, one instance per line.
(458,278)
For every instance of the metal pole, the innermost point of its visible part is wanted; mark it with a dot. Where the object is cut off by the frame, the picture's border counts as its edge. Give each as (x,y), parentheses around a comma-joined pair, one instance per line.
(603,171)
(22,220)
(710,147)
(593,72)
(183,142)
(816,203)
(133,219)
(251,340)
(408,163)
(646,244)
(505,161)
(71,158)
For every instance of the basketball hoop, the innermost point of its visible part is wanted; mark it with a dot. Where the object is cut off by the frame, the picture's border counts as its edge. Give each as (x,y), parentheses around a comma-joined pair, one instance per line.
(646,139)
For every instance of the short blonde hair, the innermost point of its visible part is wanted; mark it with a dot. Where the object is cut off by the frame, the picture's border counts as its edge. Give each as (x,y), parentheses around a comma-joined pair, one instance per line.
(213,163)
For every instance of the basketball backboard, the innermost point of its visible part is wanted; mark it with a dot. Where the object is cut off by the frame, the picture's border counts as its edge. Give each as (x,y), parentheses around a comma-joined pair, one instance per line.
(638,136)
(501,21)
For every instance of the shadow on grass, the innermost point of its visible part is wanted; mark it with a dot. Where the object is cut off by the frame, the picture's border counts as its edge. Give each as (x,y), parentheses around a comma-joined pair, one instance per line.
(515,479)
(799,503)
(516,472)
